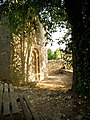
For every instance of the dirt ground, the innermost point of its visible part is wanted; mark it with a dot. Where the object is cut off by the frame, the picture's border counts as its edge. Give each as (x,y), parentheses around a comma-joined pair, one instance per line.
(52,99)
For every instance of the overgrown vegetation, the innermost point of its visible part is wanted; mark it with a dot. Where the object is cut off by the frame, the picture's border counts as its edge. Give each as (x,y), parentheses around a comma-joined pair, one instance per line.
(52,13)
(54,55)
(60,54)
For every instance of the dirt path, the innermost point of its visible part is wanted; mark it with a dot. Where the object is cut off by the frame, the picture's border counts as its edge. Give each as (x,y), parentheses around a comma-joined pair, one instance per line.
(52,101)
(62,81)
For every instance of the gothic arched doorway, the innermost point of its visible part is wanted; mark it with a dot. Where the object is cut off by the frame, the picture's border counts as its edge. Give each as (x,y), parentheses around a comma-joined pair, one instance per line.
(35,65)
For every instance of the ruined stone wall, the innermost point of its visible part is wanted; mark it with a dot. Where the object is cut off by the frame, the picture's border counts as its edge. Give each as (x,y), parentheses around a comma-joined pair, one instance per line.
(22,58)
(54,66)
(29,59)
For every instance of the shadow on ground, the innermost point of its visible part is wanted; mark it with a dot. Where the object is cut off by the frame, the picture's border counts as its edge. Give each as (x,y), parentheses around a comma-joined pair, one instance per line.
(53,100)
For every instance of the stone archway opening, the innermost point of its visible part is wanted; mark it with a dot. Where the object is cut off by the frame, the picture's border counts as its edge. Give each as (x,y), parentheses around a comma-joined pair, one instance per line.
(35,65)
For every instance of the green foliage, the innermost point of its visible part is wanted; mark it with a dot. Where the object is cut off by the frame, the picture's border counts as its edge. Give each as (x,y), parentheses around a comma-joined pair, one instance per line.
(54,55)
(57,53)
(51,55)
(52,15)
(22,19)
(20,13)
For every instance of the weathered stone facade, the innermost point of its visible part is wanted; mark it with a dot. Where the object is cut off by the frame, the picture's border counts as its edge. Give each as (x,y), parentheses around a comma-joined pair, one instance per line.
(22,58)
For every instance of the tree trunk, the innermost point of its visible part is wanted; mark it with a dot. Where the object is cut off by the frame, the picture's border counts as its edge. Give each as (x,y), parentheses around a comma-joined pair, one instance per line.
(4,48)
(80,21)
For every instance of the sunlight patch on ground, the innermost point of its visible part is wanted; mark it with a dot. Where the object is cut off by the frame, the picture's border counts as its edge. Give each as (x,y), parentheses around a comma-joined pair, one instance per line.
(62,82)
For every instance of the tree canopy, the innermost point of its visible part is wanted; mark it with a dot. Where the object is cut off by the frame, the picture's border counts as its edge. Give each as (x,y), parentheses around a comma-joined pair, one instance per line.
(49,12)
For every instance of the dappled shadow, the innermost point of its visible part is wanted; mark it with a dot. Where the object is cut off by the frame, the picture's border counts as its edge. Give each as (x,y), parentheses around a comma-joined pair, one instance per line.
(56,103)
(61,81)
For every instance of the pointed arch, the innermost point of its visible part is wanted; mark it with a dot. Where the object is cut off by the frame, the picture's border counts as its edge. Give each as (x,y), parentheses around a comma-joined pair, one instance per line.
(35,64)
